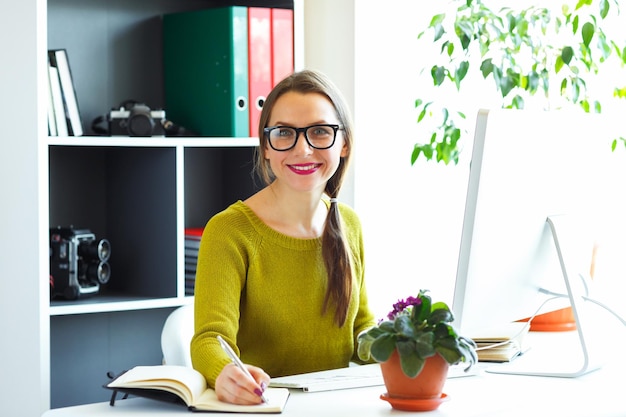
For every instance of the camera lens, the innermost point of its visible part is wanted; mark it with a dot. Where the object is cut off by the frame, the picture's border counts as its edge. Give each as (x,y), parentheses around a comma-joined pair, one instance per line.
(93,250)
(104,250)
(100,271)
(140,122)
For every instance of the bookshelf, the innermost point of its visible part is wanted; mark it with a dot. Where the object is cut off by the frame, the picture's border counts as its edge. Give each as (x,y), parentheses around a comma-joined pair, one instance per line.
(139,193)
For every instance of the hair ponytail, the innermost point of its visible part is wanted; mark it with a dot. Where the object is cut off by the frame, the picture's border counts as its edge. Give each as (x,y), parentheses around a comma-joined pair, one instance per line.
(338,262)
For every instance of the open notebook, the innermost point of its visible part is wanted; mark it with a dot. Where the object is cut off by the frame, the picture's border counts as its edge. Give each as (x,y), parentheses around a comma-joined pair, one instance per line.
(350,377)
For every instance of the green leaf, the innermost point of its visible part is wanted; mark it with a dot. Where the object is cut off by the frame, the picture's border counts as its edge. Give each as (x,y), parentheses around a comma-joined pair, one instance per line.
(465,41)
(417,150)
(587,33)
(438,73)
(486,67)
(382,348)
(420,313)
(386,326)
(460,73)
(604,8)
(585,105)
(411,363)
(558,64)
(364,348)
(437,19)
(403,326)
(449,47)
(440,315)
(423,344)
(566,54)
(506,85)
(421,115)
(439,32)
(597,107)
(428,149)
(450,350)
(517,102)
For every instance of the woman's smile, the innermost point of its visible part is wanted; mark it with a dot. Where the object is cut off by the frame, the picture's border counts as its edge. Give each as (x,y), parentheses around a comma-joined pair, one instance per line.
(304,169)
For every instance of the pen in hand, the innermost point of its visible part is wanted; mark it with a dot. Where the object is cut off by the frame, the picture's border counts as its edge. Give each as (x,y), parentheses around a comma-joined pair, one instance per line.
(233,357)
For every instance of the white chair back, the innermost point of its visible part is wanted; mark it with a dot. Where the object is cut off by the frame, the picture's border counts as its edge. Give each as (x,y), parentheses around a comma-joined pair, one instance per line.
(176,336)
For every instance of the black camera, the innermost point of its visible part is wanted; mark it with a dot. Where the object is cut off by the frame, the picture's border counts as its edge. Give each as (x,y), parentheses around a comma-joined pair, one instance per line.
(78,262)
(136,119)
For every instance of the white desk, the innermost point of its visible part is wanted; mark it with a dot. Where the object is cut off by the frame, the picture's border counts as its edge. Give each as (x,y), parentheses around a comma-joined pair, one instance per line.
(599,393)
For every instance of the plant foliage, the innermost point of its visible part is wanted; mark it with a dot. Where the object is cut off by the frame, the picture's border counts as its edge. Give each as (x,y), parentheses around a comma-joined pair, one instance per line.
(524,52)
(418,329)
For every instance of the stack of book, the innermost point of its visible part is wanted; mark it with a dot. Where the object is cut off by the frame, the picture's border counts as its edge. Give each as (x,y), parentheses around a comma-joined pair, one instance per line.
(502,344)
(192,244)
(63,113)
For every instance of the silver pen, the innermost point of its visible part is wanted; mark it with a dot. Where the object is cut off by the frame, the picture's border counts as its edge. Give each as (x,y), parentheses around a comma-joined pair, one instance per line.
(233,357)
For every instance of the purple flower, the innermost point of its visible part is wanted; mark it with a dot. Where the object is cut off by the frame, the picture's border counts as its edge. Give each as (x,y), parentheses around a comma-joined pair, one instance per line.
(403,305)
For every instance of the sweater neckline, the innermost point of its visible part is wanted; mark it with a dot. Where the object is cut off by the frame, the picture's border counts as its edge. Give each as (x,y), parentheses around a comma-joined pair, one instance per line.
(274,235)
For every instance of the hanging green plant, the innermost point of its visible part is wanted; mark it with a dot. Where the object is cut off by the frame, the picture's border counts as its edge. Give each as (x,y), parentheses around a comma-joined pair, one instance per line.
(527,52)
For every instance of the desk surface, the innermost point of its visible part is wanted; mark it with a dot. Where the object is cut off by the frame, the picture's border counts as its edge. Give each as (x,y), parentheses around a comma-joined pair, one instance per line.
(598,393)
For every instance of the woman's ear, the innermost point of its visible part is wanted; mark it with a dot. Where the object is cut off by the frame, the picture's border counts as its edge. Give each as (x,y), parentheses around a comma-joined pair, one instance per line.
(344,150)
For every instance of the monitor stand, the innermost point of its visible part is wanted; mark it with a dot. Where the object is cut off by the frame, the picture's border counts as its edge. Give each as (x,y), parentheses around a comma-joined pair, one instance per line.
(566,234)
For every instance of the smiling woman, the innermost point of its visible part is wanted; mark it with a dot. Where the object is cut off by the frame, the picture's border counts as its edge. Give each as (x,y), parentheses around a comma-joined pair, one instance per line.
(291,247)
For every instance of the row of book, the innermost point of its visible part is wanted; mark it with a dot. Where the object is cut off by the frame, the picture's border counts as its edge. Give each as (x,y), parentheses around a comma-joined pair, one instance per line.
(221,63)
(192,245)
(63,114)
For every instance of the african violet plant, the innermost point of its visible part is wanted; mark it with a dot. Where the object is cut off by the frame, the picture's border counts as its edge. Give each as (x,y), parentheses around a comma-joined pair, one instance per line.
(418,329)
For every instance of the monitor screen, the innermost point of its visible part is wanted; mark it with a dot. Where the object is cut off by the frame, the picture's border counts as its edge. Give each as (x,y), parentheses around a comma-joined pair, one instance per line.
(527,166)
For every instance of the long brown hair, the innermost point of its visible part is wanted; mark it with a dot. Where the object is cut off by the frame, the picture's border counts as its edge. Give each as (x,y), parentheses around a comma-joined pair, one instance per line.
(335,250)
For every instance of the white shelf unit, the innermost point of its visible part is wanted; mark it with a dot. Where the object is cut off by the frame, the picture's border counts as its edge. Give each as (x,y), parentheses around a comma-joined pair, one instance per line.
(139,193)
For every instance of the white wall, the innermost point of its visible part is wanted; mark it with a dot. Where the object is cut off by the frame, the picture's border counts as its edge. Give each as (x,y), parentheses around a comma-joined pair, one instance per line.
(412,215)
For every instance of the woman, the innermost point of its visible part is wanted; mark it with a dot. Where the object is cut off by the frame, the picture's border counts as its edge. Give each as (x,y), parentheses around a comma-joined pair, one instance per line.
(280,275)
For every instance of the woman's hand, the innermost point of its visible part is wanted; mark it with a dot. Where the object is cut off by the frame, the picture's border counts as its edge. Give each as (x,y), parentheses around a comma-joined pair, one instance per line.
(234,386)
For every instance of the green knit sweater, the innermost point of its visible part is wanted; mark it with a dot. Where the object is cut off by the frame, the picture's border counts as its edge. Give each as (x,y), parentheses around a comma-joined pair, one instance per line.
(263,292)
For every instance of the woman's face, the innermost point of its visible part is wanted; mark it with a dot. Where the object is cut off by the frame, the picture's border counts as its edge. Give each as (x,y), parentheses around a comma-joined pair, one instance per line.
(303,168)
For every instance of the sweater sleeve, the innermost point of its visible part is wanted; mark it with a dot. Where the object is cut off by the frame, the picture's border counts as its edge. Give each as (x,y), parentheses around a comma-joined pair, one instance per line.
(220,277)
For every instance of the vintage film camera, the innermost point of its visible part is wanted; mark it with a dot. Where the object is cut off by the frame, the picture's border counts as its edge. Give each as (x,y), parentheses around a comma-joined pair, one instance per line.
(78,262)
(136,119)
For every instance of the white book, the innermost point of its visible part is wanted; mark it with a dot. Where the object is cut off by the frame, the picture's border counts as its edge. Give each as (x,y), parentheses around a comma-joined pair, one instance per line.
(59,59)
(186,385)
(52,124)
(57,102)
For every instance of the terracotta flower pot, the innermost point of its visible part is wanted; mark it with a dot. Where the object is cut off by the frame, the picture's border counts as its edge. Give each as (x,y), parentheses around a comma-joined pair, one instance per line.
(428,384)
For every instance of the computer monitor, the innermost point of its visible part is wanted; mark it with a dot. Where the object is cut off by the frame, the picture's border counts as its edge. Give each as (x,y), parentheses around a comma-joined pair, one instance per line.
(540,185)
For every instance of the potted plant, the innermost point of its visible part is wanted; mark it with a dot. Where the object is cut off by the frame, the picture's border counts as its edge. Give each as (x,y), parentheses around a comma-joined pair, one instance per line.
(415,346)
(557,55)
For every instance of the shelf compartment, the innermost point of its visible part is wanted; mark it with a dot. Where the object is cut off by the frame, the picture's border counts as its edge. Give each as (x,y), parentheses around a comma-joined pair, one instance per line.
(128,196)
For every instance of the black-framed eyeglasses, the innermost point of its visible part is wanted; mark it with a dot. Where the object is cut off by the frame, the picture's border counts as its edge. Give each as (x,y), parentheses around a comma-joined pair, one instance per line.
(283,138)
